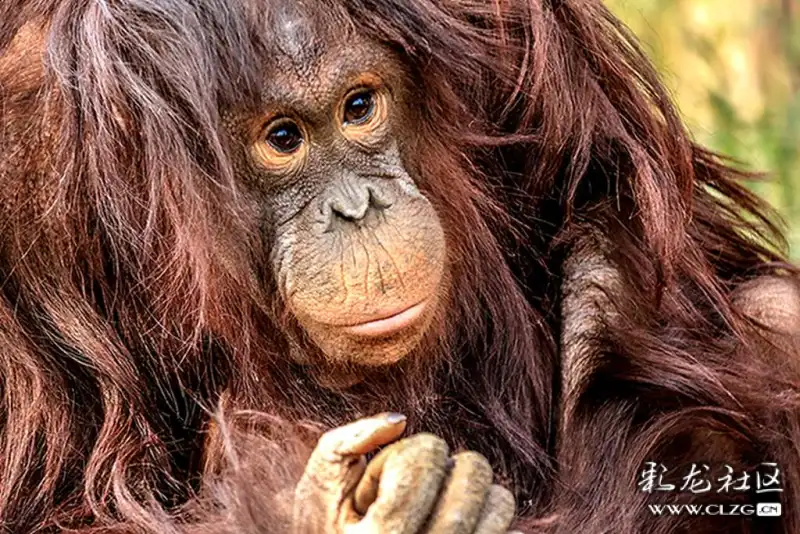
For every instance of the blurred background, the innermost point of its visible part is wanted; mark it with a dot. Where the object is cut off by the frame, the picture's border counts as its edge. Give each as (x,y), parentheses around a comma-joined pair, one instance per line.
(733,67)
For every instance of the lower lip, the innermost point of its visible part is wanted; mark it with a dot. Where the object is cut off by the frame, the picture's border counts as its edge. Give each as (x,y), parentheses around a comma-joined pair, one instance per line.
(389,325)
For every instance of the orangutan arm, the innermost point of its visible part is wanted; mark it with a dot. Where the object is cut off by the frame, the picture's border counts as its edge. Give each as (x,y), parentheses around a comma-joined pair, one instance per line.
(598,456)
(592,294)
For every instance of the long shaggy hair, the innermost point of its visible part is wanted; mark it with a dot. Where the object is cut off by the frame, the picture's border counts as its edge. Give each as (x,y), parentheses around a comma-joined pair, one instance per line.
(129,316)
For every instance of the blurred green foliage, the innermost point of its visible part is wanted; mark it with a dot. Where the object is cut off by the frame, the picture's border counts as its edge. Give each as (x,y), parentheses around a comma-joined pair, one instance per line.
(734,70)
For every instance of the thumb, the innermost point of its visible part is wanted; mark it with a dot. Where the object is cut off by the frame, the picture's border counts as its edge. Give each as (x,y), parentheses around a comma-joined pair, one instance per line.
(335,467)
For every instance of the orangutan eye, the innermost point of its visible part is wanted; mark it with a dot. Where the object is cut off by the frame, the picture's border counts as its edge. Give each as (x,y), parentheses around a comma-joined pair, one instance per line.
(364,113)
(282,146)
(359,107)
(285,137)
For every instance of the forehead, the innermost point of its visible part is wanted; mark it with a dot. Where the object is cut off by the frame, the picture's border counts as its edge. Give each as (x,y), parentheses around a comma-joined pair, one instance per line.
(297,35)
(313,52)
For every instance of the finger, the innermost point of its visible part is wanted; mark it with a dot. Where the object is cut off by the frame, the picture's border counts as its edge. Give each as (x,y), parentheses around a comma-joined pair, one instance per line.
(362,436)
(367,490)
(338,451)
(409,475)
(335,466)
(462,498)
(497,513)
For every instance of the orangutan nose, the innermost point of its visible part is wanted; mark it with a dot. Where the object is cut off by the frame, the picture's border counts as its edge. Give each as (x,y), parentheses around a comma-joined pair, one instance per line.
(352,202)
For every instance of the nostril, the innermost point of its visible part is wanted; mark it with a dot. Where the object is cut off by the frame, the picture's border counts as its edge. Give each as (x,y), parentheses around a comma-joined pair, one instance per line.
(353,204)
(350,211)
(377,198)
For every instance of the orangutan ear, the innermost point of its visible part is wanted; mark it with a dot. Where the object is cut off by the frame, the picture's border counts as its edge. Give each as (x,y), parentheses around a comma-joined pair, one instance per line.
(773,304)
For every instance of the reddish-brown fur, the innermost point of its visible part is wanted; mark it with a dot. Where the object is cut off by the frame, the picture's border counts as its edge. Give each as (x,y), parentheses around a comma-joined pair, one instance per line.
(122,328)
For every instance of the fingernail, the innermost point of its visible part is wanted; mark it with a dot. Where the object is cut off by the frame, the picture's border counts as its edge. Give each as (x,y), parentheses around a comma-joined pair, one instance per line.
(394,418)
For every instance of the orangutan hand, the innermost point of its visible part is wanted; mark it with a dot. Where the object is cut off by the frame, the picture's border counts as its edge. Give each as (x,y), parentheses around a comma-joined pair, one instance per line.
(412,486)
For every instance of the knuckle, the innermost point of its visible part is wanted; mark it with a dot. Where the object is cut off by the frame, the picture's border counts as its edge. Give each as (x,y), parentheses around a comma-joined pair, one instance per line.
(501,497)
(421,455)
(326,439)
(424,442)
(329,444)
(472,469)
(456,521)
(474,460)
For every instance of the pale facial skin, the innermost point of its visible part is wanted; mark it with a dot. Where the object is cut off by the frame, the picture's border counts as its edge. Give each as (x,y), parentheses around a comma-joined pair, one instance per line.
(358,252)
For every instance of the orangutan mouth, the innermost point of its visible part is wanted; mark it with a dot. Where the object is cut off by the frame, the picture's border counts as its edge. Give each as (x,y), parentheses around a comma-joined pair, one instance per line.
(388,323)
